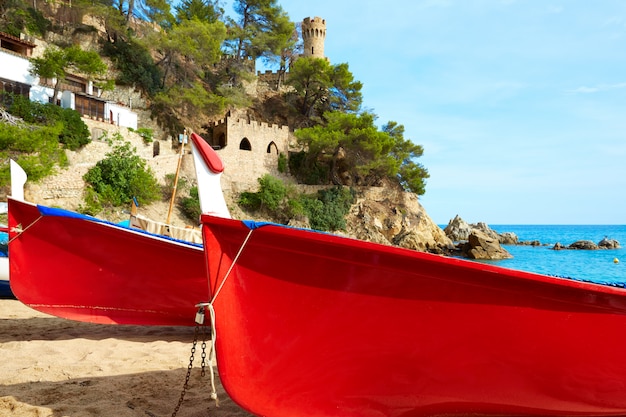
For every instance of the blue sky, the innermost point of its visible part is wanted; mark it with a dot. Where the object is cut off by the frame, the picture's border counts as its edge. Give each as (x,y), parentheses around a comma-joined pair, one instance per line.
(520,105)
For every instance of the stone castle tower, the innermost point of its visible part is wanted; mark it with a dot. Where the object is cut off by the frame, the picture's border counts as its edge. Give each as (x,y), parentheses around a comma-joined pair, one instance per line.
(313,35)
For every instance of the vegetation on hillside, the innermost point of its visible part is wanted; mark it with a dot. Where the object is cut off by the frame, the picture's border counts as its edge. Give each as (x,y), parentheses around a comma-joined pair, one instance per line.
(38,141)
(193,68)
(325,210)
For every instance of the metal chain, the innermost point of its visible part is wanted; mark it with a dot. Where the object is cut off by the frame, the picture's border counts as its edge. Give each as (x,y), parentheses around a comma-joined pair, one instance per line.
(203,364)
(188,375)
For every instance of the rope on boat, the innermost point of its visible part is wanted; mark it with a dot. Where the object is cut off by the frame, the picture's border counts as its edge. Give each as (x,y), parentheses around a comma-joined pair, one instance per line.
(243,245)
(200,321)
(18,229)
(212,355)
(212,316)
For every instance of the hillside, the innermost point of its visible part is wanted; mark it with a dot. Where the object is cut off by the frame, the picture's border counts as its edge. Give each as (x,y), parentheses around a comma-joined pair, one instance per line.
(171,87)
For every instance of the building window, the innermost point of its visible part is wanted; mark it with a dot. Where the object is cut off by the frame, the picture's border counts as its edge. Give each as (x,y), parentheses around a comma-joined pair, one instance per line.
(14,87)
(244,145)
(272,147)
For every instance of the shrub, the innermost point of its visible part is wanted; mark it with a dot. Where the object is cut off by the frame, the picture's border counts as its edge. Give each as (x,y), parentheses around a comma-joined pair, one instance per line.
(36,150)
(311,172)
(122,175)
(92,205)
(327,211)
(74,132)
(190,206)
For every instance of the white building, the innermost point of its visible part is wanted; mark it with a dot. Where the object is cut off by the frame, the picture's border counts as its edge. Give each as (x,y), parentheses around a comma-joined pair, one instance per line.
(75,92)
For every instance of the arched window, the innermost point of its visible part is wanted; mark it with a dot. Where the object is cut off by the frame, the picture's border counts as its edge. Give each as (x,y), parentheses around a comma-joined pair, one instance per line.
(244,145)
(272,148)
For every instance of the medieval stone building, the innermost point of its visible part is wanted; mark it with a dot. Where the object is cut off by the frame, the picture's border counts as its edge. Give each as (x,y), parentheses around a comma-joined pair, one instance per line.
(251,149)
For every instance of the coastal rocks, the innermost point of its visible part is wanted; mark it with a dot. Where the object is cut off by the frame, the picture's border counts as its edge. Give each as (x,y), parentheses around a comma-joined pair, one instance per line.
(391,216)
(508,238)
(482,246)
(589,245)
(607,243)
(479,241)
(531,243)
(458,229)
(584,245)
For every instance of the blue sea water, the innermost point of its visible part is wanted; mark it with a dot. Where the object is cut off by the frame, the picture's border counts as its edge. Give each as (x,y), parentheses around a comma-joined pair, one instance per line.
(592,265)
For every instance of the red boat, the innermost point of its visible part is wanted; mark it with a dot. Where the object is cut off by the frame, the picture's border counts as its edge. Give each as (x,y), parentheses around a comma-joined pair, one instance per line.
(82,268)
(313,324)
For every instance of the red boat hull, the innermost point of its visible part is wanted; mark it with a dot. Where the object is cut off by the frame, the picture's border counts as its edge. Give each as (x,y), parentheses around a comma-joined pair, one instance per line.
(314,324)
(75,268)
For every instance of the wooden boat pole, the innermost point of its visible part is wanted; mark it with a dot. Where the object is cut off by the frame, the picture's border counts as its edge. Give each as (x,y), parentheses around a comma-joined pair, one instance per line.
(180,160)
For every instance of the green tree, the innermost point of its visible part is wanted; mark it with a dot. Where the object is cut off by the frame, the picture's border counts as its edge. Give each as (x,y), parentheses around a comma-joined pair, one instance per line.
(135,65)
(188,49)
(188,52)
(354,151)
(56,63)
(321,87)
(412,175)
(178,101)
(207,11)
(155,11)
(263,29)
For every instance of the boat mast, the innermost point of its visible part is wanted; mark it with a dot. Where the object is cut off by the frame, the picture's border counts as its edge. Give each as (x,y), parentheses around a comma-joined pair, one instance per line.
(183,140)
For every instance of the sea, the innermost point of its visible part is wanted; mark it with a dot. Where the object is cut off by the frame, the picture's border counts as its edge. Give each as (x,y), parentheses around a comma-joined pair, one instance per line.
(603,266)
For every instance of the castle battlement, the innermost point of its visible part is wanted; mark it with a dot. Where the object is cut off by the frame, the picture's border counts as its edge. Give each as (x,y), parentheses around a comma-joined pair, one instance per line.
(251,124)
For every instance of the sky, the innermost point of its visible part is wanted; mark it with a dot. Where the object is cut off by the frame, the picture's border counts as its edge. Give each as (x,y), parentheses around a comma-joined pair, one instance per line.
(520,105)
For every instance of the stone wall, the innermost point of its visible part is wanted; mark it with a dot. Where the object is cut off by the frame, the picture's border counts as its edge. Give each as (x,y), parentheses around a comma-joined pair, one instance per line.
(249,150)
(65,188)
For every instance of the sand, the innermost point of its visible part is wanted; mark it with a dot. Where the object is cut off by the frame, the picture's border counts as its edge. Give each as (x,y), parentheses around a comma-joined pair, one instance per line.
(51,367)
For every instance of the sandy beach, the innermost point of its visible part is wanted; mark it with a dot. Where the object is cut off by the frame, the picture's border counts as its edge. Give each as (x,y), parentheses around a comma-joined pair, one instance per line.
(53,367)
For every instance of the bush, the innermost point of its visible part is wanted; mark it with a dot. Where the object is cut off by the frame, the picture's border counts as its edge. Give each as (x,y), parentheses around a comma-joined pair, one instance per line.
(270,197)
(313,173)
(92,206)
(327,211)
(20,18)
(122,175)
(74,132)
(190,206)
(36,150)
